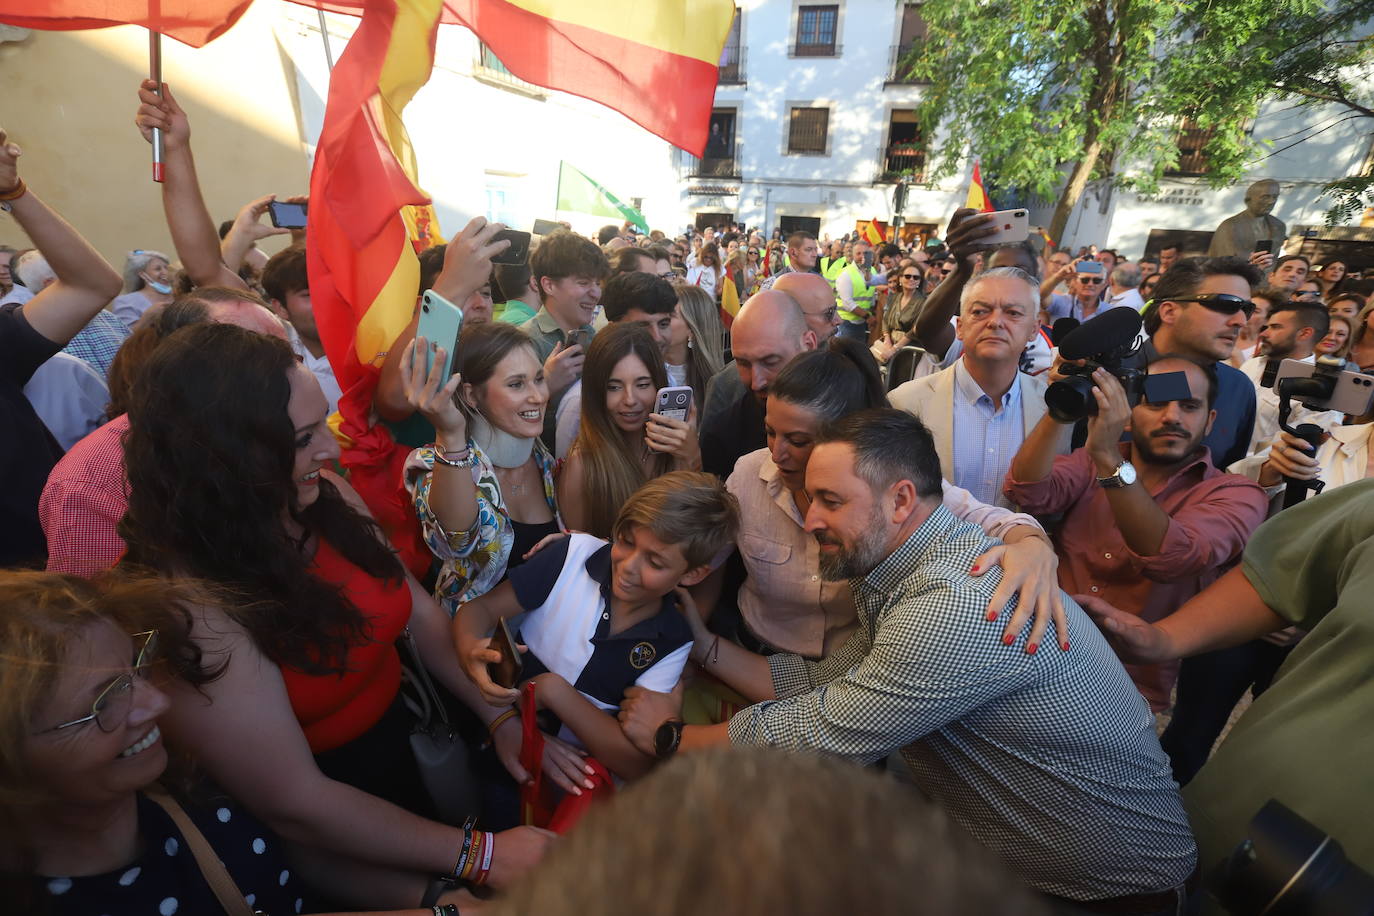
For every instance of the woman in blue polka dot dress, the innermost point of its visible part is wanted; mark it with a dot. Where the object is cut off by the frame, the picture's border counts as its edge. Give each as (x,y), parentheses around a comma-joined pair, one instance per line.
(79,745)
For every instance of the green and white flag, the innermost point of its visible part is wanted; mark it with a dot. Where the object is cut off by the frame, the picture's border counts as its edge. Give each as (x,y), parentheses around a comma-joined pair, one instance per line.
(579,194)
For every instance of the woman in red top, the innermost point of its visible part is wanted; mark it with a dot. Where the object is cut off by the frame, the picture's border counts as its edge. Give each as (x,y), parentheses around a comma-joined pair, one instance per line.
(227,459)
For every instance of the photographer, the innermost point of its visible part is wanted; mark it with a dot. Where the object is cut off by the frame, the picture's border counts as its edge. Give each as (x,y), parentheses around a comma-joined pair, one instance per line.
(1148,522)
(1306,741)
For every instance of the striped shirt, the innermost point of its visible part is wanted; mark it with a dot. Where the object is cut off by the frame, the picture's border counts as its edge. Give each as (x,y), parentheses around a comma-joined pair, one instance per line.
(1050,760)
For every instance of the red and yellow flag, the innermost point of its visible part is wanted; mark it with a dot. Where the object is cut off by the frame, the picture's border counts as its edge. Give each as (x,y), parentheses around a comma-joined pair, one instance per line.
(977,195)
(873,232)
(621,53)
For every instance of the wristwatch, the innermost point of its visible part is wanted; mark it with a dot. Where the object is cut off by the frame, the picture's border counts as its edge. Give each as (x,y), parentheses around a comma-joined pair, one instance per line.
(1124,477)
(667,738)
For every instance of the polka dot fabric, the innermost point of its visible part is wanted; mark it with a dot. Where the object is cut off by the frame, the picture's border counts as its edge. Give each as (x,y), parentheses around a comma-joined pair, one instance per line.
(166,881)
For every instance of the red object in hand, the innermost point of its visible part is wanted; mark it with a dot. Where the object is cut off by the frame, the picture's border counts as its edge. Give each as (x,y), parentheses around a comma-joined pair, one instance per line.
(541,805)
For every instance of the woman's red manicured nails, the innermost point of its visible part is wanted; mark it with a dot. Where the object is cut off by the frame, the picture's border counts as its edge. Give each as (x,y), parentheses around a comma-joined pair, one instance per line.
(992,615)
(1030,650)
(1008,639)
(1064,645)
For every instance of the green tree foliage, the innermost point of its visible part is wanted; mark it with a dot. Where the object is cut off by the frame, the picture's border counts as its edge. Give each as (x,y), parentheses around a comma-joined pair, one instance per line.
(1102,86)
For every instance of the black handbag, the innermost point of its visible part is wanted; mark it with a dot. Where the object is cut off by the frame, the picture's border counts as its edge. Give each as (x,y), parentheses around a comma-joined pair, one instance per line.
(440,752)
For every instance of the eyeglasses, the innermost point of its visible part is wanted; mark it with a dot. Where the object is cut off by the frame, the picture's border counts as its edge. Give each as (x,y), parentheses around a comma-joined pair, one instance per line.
(111,706)
(828,314)
(1223,303)
(1091,280)
(1308,294)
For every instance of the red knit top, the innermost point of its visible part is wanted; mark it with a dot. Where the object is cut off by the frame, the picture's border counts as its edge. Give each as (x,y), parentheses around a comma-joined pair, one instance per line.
(335,709)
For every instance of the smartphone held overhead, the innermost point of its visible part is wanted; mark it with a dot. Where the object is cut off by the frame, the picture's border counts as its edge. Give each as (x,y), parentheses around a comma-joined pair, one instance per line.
(440,323)
(1010,225)
(519,250)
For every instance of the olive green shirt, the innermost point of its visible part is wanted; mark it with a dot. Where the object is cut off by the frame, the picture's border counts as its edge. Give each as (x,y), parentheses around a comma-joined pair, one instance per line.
(1308,740)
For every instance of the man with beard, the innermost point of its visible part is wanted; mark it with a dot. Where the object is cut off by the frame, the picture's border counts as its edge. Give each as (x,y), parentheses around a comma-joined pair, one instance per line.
(1149,521)
(1291,331)
(1038,756)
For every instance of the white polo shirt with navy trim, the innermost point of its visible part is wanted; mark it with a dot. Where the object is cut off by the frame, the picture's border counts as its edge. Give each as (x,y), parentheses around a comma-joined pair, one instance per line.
(565,590)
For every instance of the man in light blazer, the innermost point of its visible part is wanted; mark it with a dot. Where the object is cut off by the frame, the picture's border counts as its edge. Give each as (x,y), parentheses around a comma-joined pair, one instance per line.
(981,408)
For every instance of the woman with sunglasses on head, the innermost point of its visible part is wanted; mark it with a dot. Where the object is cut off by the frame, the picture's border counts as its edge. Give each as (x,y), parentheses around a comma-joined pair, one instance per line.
(784,602)
(231,482)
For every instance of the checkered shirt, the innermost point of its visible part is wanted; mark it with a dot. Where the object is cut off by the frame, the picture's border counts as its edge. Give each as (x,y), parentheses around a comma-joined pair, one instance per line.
(1050,760)
(99,341)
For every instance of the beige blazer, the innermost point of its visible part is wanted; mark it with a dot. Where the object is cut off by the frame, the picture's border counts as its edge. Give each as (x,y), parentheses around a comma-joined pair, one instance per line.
(931,400)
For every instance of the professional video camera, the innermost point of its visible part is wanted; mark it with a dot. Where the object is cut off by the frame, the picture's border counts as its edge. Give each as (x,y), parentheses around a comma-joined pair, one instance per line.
(1108,341)
(1288,867)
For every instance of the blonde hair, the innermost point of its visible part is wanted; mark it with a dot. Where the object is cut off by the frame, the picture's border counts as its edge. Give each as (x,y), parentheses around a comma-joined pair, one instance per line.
(706,356)
(611,471)
(1349,323)
(691,509)
(1361,322)
(746,830)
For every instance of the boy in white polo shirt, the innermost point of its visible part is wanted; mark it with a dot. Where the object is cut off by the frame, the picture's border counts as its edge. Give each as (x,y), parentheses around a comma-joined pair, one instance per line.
(601,617)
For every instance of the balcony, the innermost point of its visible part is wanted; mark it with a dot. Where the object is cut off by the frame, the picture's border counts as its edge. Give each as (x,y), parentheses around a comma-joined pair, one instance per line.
(896,73)
(711,167)
(830,49)
(903,160)
(732,66)
(491,71)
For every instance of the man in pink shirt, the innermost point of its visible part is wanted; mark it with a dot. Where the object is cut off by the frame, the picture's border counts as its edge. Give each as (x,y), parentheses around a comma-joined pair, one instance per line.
(1148,522)
(86,496)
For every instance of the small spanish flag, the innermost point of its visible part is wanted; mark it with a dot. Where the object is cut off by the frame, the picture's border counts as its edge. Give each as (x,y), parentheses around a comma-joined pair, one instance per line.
(977,195)
(873,232)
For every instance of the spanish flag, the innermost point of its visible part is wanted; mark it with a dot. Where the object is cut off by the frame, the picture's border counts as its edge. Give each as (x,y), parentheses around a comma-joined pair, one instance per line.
(977,196)
(874,232)
(653,61)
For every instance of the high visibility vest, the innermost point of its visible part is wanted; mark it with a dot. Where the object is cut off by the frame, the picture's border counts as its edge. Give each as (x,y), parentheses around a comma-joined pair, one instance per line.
(830,269)
(863,294)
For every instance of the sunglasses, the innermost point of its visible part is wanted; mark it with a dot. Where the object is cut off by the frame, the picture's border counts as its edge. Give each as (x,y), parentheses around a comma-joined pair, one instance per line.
(911,276)
(111,705)
(1089,279)
(1222,303)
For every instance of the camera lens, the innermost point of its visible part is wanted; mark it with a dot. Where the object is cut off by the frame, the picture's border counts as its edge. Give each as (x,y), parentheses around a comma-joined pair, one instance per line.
(1071,399)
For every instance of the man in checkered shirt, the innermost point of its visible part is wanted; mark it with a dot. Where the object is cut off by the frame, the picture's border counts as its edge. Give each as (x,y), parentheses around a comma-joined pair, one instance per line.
(1049,759)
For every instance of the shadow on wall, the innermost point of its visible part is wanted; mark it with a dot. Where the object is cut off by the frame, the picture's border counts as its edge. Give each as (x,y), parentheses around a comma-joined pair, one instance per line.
(70,101)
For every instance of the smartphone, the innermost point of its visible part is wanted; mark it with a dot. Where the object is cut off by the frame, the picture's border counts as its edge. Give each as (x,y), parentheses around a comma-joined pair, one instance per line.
(580,337)
(674,402)
(506,672)
(1011,225)
(1351,392)
(546,226)
(287,215)
(519,250)
(1265,245)
(440,323)
(1096,268)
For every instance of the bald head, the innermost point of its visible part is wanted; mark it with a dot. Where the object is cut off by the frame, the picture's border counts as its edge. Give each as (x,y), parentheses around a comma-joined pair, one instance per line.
(817,301)
(251,316)
(769,330)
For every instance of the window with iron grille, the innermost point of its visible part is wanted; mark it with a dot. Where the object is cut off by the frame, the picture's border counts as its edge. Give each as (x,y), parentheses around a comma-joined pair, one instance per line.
(807,130)
(816,27)
(1192,160)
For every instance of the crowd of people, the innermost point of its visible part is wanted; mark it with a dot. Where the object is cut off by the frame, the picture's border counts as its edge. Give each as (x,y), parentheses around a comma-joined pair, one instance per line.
(871,536)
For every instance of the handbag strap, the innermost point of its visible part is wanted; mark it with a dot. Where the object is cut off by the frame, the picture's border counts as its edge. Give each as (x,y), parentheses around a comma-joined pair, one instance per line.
(436,703)
(211,868)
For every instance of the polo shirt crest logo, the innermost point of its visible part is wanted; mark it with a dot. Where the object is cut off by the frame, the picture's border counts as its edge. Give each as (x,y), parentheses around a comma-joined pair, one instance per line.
(642,655)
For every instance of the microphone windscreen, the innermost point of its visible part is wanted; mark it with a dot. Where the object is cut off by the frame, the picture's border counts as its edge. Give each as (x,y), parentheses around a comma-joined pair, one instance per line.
(1062,328)
(1112,329)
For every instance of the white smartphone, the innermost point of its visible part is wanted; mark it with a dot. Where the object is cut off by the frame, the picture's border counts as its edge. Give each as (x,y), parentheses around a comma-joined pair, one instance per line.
(1351,392)
(1011,225)
(674,402)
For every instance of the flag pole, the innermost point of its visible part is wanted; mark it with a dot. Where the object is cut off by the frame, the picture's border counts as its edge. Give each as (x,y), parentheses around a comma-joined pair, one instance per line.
(155,74)
(324,33)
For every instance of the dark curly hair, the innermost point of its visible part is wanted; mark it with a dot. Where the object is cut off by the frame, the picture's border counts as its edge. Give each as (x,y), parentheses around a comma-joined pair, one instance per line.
(209,456)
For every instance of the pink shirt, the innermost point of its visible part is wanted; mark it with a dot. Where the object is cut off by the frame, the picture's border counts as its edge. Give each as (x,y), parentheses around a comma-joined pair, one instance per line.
(1212,515)
(85,497)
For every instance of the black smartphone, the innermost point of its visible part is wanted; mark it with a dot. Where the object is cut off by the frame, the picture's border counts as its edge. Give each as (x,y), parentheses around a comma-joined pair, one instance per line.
(1265,245)
(506,672)
(519,250)
(287,215)
(581,337)
(546,226)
